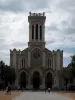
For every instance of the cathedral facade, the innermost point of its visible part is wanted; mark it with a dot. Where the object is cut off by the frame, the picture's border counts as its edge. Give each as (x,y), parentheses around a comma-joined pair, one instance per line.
(36,66)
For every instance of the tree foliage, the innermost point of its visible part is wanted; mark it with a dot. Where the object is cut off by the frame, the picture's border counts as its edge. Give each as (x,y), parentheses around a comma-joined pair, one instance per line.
(7,73)
(67,75)
(72,65)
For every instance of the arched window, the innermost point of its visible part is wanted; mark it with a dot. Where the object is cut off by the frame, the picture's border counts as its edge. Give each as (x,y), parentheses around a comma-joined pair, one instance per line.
(36,31)
(23,62)
(40,32)
(32,31)
(49,62)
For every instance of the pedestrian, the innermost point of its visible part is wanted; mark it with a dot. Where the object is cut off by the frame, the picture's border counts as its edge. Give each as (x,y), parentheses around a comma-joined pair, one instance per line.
(49,90)
(9,89)
(22,88)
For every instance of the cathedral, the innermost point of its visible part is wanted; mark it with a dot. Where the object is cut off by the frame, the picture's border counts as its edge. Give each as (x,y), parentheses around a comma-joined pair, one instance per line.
(36,66)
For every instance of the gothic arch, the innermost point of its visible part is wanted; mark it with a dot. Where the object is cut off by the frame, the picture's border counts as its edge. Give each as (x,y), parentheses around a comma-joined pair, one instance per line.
(38,70)
(49,81)
(23,79)
(50,70)
(36,48)
(23,70)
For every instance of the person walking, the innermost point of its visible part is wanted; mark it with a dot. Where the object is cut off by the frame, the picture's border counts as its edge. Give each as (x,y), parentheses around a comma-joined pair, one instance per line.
(8,90)
(49,90)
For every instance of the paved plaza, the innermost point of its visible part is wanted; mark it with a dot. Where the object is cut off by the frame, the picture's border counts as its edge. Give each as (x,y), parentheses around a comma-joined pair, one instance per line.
(40,96)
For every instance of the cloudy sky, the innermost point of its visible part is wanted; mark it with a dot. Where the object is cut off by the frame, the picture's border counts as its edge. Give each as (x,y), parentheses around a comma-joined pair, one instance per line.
(59,32)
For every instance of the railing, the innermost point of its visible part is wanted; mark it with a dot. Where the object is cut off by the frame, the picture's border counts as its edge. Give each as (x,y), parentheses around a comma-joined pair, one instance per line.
(36,14)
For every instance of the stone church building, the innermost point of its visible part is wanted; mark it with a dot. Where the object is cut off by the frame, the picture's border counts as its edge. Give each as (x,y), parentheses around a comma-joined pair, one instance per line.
(36,66)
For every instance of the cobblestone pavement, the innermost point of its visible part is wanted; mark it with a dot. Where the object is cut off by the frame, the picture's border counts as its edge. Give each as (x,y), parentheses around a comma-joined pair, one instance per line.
(40,96)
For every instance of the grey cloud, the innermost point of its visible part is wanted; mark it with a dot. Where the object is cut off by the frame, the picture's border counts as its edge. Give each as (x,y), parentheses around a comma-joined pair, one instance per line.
(4,54)
(12,6)
(68,27)
(4,47)
(19,44)
(52,27)
(23,5)
(2,40)
(50,42)
(69,30)
(67,5)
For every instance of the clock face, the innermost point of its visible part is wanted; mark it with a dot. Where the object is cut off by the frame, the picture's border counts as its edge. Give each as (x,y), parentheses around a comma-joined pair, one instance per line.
(36,55)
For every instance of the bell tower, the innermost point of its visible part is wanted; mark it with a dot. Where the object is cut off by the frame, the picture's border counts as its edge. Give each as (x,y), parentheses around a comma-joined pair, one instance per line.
(36,29)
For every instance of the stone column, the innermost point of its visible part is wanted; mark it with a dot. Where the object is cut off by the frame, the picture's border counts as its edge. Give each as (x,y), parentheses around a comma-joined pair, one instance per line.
(53,61)
(14,59)
(17,79)
(19,62)
(42,86)
(29,58)
(30,86)
(38,32)
(34,32)
(58,59)
(43,59)
(30,32)
(56,81)
(43,33)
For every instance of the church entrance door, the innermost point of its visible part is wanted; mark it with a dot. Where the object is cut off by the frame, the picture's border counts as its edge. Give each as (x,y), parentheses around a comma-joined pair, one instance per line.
(48,80)
(36,80)
(23,80)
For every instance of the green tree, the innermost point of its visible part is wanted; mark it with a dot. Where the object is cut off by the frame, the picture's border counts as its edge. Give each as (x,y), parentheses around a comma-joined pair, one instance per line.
(72,65)
(2,66)
(7,73)
(66,72)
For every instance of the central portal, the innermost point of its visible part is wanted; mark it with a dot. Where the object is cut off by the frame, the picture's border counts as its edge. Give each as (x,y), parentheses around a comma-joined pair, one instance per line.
(36,80)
